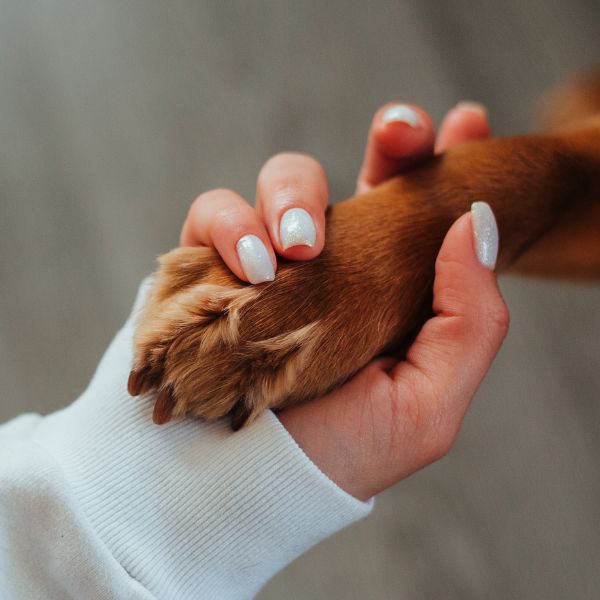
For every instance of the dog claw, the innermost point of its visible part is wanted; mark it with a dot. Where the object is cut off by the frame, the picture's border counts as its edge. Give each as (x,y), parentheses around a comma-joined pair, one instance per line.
(163,407)
(141,381)
(134,383)
(239,415)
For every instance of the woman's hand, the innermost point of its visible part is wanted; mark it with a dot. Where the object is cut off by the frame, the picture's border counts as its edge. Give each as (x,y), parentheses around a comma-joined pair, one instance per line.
(401,135)
(392,418)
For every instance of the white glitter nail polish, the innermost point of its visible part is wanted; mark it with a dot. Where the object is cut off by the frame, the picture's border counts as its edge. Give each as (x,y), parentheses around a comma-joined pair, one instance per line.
(297,229)
(255,259)
(485,234)
(403,114)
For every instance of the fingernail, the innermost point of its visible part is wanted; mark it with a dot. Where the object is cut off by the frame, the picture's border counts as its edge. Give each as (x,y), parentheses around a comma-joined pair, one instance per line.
(485,234)
(401,113)
(255,259)
(297,229)
(474,106)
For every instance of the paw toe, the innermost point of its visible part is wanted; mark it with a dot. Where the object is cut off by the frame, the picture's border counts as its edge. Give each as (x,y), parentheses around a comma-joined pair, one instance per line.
(240,415)
(135,382)
(163,407)
(141,380)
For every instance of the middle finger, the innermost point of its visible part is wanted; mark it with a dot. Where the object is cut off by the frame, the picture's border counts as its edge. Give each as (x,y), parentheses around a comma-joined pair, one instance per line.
(291,197)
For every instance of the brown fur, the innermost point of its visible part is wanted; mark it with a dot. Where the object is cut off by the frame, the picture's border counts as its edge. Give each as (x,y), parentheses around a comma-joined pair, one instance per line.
(213,345)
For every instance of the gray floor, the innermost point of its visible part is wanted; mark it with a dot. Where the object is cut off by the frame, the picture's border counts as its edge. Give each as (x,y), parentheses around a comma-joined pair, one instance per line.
(114,115)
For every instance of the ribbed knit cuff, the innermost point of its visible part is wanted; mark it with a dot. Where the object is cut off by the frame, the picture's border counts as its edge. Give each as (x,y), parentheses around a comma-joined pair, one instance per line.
(190,509)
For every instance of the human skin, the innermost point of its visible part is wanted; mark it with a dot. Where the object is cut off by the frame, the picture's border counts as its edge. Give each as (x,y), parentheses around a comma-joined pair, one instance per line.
(394,417)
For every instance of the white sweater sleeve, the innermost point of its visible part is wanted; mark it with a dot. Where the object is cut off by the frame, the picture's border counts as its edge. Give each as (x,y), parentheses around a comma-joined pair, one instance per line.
(98,502)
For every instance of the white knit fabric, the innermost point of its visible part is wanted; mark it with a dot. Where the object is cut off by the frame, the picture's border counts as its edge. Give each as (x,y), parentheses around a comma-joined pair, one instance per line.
(98,502)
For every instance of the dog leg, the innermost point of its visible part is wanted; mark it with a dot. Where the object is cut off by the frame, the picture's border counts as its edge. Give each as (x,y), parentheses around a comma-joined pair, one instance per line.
(212,345)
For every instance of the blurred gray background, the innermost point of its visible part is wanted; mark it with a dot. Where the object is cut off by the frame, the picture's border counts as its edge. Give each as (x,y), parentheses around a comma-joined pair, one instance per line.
(114,115)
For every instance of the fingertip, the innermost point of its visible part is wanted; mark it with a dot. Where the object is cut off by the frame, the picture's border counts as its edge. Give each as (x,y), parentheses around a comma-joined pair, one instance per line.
(474,235)
(476,108)
(188,236)
(466,121)
(464,283)
(185,237)
(400,136)
(403,131)
(301,233)
(292,196)
(299,253)
(222,219)
(458,248)
(298,231)
(255,257)
(485,234)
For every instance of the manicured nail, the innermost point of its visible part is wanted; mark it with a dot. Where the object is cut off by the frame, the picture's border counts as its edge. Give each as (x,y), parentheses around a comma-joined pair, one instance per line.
(255,259)
(485,234)
(297,229)
(474,106)
(401,113)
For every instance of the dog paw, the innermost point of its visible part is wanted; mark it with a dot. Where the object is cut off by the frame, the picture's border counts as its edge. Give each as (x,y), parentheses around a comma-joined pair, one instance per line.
(211,345)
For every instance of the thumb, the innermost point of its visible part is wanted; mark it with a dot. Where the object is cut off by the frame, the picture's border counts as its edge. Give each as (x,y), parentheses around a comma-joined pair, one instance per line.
(455,348)
(374,431)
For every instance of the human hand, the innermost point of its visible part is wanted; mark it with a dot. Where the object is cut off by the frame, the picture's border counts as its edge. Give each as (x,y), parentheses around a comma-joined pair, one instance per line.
(392,418)
(221,217)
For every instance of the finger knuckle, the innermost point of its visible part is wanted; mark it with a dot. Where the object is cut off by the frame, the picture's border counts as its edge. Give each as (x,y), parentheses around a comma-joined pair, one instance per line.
(226,222)
(451,278)
(280,163)
(487,325)
(291,174)
(206,200)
